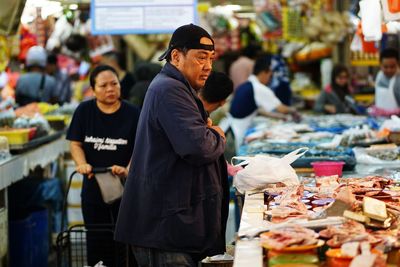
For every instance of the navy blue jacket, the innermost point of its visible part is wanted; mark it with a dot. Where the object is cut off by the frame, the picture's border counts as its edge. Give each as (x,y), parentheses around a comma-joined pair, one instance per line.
(173,194)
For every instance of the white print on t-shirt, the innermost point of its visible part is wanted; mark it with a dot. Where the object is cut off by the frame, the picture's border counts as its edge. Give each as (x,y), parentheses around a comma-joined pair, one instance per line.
(105,143)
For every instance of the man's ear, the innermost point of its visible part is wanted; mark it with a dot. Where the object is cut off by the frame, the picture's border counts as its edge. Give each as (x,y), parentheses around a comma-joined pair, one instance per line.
(175,56)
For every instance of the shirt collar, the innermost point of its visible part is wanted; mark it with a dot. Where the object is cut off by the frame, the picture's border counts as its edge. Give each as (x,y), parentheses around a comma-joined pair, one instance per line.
(253,78)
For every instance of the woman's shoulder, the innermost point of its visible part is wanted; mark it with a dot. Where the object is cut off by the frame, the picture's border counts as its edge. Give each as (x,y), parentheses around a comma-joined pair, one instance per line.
(128,107)
(86,105)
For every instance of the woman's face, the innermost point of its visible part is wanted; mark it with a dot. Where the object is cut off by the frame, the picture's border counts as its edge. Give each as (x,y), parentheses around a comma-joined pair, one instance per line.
(342,79)
(107,89)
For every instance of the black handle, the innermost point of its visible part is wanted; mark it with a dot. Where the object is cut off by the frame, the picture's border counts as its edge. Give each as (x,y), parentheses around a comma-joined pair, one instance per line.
(101,170)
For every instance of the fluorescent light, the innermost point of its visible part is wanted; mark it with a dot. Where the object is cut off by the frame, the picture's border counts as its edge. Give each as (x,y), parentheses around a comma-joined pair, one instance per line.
(73,6)
(233,7)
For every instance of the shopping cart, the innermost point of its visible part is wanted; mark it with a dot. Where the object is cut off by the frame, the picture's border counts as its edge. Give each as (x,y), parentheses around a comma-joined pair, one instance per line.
(72,244)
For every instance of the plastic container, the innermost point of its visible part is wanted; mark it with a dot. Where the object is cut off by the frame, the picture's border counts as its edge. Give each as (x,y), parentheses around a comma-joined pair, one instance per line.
(334,258)
(20,244)
(40,238)
(32,133)
(394,137)
(16,136)
(57,122)
(29,240)
(328,168)
(293,260)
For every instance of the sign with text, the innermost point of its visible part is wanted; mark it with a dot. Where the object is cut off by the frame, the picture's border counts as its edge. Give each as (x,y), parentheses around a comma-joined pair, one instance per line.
(138,16)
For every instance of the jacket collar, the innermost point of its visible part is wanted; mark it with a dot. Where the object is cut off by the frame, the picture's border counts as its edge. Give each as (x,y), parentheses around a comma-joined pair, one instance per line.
(171,71)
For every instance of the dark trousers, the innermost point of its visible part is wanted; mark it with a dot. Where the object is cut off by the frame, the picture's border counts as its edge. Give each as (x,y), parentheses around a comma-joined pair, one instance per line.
(151,257)
(99,220)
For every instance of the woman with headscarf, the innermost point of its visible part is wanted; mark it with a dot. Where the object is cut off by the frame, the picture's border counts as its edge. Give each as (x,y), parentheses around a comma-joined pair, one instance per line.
(332,99)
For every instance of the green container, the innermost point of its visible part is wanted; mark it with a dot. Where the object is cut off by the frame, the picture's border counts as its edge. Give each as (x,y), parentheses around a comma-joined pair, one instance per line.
(293,258)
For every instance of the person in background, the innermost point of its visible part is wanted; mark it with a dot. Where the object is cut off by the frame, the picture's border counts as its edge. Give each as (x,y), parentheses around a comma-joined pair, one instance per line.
(332,99)
(254,97)
(387,83)
(213,95)
(242,68)
(102,134)
(215,91)
(36,85)
(127,80)
(144,74)
(63,82)
(280,82)
(171,207)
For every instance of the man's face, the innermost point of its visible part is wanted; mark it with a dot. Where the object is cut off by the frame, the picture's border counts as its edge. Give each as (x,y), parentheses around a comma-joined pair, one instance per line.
(265,76)
(389,66)
(196,65)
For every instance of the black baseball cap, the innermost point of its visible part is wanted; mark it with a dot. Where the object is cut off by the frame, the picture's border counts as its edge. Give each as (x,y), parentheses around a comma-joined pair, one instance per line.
(188,36)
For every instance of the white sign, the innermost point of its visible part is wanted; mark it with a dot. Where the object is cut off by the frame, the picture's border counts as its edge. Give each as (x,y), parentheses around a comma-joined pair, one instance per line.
(138,16)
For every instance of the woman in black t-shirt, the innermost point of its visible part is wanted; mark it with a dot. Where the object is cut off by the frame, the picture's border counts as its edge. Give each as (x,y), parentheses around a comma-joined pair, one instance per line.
(102,134)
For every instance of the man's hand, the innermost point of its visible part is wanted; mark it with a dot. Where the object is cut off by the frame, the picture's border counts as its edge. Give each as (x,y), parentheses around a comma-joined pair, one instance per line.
(85,169)
(209,122)
(232,170)
(296,116)
(219,131)
(330,109)
(119,171)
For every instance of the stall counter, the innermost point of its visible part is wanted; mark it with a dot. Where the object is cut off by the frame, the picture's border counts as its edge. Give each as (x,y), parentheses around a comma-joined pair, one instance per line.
(248,251)
(18,166)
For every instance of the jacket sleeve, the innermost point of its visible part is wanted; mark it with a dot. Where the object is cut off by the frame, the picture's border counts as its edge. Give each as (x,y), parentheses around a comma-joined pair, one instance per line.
(180,119)
(320,102)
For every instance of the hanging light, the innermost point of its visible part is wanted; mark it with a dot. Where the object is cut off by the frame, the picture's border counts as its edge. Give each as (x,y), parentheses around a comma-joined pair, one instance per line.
(73,6)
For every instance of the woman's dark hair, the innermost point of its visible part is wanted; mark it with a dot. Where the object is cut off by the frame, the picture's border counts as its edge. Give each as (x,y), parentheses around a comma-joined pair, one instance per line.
(337,70)
(341,91)
(97,70)
(217,87)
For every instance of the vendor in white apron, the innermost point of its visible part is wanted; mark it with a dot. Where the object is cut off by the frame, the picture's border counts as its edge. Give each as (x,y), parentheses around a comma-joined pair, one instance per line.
(387,84)
(254,97)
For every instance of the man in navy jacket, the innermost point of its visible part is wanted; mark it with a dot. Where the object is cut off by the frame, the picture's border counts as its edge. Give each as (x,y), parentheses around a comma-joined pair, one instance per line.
(170,212)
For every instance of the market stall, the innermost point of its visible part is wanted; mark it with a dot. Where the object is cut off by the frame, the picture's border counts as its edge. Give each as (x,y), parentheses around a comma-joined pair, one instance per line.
(357,213)
(18,166)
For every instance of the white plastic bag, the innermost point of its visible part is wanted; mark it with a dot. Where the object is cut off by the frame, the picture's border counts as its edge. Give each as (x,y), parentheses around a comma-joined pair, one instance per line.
(387,15)
(371,19)
(262,170)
